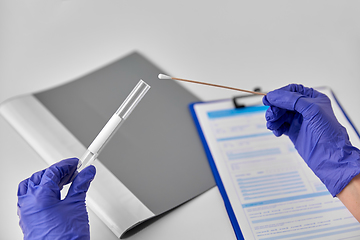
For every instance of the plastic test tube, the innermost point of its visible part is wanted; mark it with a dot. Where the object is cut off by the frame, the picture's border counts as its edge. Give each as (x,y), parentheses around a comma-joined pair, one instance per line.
(113,125)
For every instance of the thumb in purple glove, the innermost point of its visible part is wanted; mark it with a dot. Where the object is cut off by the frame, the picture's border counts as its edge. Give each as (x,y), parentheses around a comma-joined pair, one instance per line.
(306,116)
(43,215)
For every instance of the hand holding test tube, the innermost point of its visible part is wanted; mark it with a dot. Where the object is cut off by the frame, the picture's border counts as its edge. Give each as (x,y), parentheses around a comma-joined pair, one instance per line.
(113,125)
(42,213)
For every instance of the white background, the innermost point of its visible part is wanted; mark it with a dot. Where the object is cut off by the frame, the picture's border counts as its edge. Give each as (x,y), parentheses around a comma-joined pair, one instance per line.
(44,43)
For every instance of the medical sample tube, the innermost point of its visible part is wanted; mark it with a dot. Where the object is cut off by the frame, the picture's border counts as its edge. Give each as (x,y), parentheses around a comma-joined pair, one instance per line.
(113,124)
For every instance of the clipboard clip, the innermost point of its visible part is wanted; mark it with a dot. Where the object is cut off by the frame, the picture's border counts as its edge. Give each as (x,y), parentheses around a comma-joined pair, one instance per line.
(247,100)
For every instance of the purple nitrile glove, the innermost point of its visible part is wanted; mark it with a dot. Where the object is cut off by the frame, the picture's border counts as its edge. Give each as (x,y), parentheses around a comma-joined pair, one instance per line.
(43,215)
(306,116)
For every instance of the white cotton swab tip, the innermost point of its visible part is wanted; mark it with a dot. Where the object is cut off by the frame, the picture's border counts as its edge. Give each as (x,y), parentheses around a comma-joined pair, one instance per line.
(163,76)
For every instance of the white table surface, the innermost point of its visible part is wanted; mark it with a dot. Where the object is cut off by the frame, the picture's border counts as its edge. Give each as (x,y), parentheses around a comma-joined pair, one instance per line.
(244,44)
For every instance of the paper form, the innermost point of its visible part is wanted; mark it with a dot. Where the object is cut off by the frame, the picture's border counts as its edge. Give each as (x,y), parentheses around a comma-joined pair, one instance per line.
(273,193)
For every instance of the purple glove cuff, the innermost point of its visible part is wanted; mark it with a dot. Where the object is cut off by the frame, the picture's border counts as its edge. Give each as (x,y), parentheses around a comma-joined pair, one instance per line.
(336,169)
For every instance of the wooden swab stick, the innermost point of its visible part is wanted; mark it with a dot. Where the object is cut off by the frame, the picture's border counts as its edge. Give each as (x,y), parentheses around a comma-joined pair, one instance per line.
(163,76)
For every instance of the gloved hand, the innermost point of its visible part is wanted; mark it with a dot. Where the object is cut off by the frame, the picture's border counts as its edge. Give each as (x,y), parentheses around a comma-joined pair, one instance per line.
(306,116)
(43,215)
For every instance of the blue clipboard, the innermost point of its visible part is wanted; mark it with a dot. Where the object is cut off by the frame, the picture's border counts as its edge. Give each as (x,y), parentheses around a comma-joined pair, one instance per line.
(216,174)
(343,111)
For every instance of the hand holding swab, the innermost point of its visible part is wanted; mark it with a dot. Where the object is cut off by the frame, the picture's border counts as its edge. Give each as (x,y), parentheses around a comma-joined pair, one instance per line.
(164,77)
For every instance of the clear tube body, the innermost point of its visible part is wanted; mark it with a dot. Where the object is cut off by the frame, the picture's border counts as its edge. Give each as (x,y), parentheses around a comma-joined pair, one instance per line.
(86,159)
(113,124)
(133,99)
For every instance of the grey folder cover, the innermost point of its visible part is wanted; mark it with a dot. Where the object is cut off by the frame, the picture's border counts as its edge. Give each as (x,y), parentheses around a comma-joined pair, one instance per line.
(157,153)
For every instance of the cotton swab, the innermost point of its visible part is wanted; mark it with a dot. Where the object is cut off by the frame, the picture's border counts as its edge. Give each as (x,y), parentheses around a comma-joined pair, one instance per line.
(164,77)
